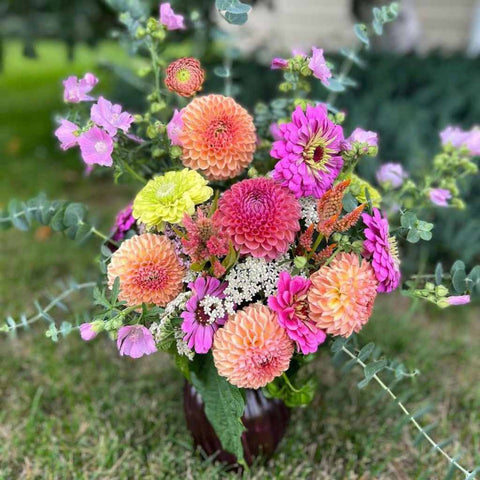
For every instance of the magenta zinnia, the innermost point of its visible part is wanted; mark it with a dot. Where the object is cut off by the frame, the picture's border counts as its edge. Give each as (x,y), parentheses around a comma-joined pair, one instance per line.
(383,251)
(260,217)
(309,152)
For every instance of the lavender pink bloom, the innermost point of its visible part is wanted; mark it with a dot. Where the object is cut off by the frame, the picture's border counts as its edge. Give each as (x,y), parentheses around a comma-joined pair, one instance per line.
(75,90)
(309,152)
(87,332)
(382,250)
(458,299)
(110,116)
(170,19)
(458,138)
(391,173)
(135,341)
(291,305)
(318,66)
(123,223)
(66,134)
(197,325)
(279,63)
(360,135)
(174,127)
(96,147)
(440,196)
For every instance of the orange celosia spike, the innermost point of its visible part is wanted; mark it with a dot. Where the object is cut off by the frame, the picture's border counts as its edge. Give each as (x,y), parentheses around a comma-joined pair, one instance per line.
(324,254)
(306,238)
(331,202)
(350,219)
(327,227)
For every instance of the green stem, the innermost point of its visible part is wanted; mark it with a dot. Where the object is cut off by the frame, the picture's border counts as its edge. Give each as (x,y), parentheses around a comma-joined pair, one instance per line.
(315,246)
(134,174)
(287,381)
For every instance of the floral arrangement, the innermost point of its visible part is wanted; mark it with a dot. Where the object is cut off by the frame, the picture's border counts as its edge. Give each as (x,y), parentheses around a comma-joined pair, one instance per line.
(252,242)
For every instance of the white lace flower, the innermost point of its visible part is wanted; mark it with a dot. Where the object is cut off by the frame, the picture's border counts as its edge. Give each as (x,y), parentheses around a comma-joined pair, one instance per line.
(308,206)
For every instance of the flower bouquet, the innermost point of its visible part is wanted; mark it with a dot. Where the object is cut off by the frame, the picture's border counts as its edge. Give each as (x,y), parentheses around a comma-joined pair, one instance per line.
(252,243)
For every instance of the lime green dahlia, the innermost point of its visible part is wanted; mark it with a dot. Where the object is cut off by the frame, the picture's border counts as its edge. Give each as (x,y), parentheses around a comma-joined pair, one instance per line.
(169,197)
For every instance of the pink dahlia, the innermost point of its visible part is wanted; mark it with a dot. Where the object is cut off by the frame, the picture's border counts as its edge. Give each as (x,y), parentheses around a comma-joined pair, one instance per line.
(109,116)
(135,341)
(260,217)
(198,324)
(382,250)
(309,152)
(291,304)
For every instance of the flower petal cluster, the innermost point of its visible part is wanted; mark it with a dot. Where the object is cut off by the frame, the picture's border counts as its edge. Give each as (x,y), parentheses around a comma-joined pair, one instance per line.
(391,174)
(440,196)
(124,221)
(185,76)
(148,269)
(169,197)
(96,147)
(198,325)
(259,216)
(309,152)
(109,116)
(174,127)
(319,67)
(66,134)
(218,137)
(342,295)
(382,250)
(291,305)
(135,341)
(252,348)
(75,90)
(170,19)
(461,138)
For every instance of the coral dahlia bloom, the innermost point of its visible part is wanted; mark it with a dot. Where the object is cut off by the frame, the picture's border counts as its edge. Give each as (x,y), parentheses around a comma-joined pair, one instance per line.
(291,304)
(342,295)
(252,348)
(149,270)
(218,137)
(309,152)
(259,216)
(383,251)
(185,76)
(135,341)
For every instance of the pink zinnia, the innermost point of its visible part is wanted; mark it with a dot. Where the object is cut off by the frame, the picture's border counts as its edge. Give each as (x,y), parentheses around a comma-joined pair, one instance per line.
(87,332)
(174,127)
(197,324)
(75,90)
(383,251)
(440,196)
(96,147)
(309,152)
(170,19)
(260,217)
(318,66)
(109,116)
(291,304)
(135,341)
(66,134)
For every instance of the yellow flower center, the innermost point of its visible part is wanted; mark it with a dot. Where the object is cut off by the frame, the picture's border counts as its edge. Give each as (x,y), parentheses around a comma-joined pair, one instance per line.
(183,75)
(165,190)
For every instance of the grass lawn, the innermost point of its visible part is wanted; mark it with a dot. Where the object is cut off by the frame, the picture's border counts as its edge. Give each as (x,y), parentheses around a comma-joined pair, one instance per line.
(76,410)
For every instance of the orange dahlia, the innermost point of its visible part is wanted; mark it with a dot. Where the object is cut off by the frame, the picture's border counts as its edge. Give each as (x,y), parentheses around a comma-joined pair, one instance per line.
(342,295)
(252,349)
(149,270)
(185,76)
(218,137)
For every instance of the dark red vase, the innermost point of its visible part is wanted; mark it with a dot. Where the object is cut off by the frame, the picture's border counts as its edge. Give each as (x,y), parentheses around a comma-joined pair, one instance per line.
(265,420)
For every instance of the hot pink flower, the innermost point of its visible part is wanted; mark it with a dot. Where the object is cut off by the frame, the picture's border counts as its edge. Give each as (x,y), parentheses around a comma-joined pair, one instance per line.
(458,299)
(135,341)
(75,90)
(291,304)
(440,196)
(96,147)
(309,152)
(170,19)
(65,134)
(318,66)
(87,332)
(279,63)
(124,221)
(174,127)
(383,251)
(110,116)
(275,131)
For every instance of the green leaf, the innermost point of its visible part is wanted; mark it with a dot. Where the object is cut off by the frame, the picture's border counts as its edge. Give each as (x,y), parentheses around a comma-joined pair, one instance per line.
(222,72)
(366,351)
(335,85)
(373,368)
(303,396)
(74,214)
(360,30)
(408,220)
(224,404)
(232,6)
(438,274)
(458,265)
(458,280)
(413,236)
(17,216)
(349,202)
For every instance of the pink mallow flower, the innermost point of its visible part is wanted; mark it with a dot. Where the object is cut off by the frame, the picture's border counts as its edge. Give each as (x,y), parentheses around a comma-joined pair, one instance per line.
(392,174)
(109,116)
(279,63)
(174,127)
(318,66)
(458,138)
(199,324)
(66,134)
(383,251)
(458,299)
(170,19)
(291,305)
(87,331)
(135,341)
(75,90)
(440,196)
(360,135)
(96,147)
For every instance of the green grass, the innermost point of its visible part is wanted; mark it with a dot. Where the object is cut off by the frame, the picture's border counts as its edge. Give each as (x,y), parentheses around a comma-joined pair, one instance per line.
(76,410)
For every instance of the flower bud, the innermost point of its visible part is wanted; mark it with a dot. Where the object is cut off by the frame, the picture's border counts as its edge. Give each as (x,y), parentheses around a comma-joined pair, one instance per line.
(285,87)
(300,262)
(175,151)
(441,291)
(140,33)
(152,25)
